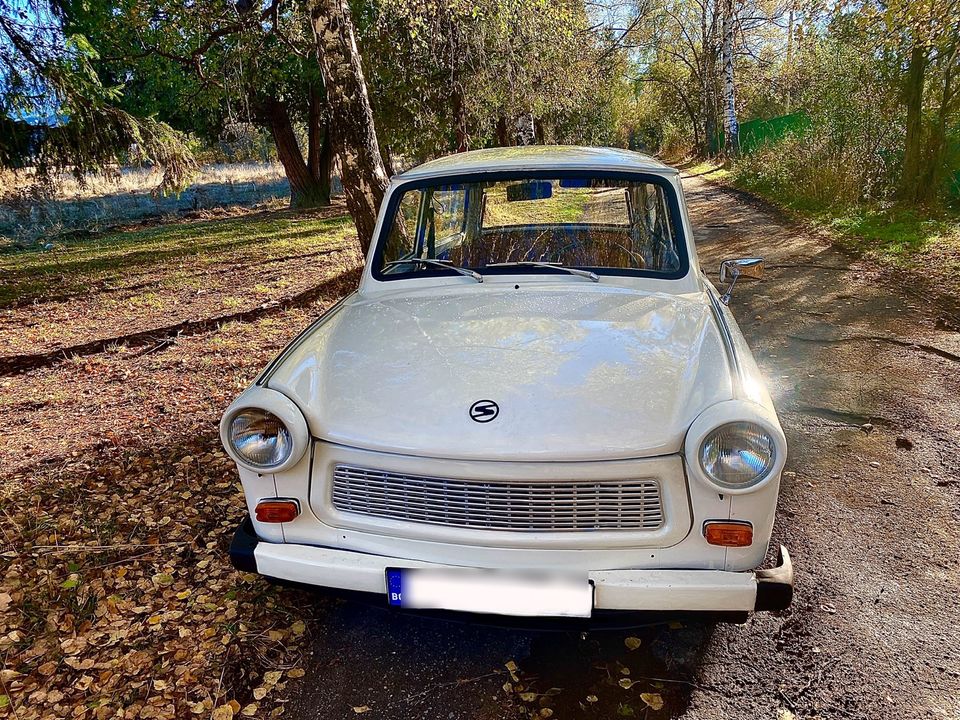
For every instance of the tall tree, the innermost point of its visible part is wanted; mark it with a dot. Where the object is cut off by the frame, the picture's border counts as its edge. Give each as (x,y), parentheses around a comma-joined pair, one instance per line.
(56,114)
(731,128)
(207,65)
(362,169)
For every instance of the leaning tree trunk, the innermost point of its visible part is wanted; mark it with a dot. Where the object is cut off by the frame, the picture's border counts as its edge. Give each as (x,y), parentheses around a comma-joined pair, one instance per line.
(351,117)
(306,188)
(731,128)
(913,142)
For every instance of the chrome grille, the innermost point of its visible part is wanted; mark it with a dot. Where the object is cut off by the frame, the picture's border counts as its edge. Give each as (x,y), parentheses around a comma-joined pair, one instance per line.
(527,506)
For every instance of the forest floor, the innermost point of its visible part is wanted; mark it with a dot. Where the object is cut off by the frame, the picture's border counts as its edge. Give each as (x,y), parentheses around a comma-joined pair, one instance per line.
(119,504)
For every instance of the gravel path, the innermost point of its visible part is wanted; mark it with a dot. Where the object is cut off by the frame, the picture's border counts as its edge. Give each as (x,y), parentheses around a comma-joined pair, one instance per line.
(864,371)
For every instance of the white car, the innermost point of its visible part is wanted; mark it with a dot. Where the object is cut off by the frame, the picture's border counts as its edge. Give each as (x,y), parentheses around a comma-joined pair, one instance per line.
(535,403)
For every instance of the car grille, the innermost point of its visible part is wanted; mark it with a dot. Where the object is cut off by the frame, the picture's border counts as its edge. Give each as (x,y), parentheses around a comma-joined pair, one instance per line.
(524,507)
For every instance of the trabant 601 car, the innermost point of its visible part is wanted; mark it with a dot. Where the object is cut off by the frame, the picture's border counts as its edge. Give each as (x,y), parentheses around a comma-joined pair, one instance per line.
(535,404)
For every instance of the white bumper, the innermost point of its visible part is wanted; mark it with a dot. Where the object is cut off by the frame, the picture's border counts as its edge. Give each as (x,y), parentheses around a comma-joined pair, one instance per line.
(660,590)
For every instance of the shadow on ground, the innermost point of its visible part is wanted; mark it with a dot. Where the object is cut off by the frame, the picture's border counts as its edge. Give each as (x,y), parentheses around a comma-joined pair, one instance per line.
(403,666)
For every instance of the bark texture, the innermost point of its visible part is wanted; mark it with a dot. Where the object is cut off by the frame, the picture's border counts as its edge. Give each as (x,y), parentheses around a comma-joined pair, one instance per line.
(913,143)
(354,136)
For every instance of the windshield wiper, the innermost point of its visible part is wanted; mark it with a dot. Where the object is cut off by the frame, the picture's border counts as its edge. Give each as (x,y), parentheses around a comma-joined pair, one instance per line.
(556,266)
(436,263)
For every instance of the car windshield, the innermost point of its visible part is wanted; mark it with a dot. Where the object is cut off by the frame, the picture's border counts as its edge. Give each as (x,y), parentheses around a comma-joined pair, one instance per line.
(618,226)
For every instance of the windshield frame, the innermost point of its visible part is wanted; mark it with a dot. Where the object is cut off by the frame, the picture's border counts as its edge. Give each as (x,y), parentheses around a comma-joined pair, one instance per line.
(670,194)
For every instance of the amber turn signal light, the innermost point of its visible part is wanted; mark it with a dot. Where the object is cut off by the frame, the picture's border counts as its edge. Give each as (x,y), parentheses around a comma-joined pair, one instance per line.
(277,511)
(728,533)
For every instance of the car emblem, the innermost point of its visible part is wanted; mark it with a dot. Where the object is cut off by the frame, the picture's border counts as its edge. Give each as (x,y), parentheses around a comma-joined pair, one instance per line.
(483,411)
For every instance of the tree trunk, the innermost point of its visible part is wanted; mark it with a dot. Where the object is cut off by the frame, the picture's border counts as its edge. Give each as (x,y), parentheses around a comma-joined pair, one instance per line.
(933,177)
(503,134)
(351,117)
(731,128)
(913,143)
(306,189)
(459,119)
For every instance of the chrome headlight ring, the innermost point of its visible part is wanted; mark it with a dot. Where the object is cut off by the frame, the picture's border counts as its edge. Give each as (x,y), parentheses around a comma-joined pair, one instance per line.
(735,447)
(264,431)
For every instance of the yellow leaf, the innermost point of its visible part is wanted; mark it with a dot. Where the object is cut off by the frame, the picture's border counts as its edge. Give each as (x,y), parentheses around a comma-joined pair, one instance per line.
(235,706)
(198,708)
(272,677)
(528,696)
(632,643)
(260,693)
(592,698)
(250,710)
(546,712)
(360,709)
(299,627)
(653,700)
(785,714)
(224,712)
(511,666)
(626,683)
(296,673)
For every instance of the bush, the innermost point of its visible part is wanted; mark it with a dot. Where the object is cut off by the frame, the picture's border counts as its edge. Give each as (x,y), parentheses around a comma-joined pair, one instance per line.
(851,151)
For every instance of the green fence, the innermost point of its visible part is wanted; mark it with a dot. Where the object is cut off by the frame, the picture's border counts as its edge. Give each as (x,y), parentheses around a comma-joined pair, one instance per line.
(754,133)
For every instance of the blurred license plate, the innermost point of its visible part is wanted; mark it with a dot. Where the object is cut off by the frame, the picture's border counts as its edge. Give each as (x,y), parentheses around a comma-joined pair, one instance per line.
(490,591)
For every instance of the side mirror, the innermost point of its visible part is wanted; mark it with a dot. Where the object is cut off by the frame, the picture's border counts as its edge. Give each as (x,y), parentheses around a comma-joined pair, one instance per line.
(733,270)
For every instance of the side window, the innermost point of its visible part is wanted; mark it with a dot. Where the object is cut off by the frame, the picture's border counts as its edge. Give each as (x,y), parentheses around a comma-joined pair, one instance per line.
(653,227)
(403,230)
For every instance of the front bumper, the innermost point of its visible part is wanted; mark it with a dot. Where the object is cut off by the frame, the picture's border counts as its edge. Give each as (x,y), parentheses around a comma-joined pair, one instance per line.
(631,590)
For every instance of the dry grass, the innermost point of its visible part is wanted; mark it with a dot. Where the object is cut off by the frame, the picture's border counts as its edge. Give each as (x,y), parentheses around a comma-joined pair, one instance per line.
(136,180)
(28,216)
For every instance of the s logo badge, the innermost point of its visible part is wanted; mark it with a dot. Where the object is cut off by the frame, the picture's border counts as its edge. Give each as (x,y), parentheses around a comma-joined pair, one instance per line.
(483,411)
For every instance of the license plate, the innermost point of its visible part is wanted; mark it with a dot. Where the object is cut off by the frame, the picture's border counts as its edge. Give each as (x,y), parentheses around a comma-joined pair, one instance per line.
(490,592)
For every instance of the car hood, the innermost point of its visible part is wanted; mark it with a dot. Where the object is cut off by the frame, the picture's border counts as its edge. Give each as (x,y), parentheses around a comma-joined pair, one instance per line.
(584,373)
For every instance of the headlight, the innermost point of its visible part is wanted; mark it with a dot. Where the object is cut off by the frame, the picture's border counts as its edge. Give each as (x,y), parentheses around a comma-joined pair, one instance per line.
(260,438)
(737,455)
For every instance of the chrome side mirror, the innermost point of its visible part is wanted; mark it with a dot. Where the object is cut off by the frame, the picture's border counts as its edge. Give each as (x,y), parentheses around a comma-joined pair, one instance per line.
(733,270)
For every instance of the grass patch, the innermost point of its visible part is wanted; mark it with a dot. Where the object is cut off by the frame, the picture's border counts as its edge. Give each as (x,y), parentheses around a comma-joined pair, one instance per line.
(121,259)
(922,240)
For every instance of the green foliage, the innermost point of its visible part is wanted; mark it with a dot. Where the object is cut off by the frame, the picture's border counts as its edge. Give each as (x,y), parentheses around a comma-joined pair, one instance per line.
(57,114)
(451,74)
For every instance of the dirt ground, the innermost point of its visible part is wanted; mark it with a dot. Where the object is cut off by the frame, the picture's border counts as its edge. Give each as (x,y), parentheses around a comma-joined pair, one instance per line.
(862,367)
(114,491)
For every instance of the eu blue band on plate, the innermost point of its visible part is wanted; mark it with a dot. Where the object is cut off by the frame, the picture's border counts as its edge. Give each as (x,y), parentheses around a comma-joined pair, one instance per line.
(394,587)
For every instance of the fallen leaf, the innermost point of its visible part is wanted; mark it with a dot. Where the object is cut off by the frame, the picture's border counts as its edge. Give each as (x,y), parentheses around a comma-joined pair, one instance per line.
(653,700)
(296,673)
(626,683)
(299,627)
(224,712)
(272,677)
(785,714)
(546,712)
(592,698)
(528,696)
(235,706)
(632,643)
(250,710)
(260,693)
(360,709)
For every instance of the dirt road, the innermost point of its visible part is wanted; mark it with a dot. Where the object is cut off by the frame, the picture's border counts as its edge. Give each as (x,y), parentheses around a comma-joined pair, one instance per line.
(865,375)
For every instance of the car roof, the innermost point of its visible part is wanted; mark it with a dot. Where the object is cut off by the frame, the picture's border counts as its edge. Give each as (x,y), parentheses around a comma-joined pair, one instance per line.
(537,157)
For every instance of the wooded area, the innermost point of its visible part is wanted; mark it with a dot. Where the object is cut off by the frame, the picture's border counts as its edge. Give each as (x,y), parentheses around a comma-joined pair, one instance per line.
(376,86)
